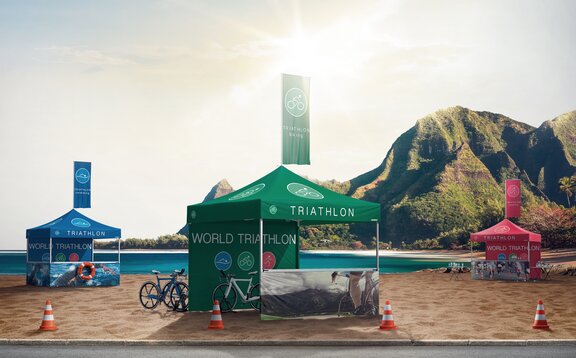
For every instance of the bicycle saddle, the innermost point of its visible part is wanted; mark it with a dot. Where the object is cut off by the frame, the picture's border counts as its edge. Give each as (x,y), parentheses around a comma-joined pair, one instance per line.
(155,272)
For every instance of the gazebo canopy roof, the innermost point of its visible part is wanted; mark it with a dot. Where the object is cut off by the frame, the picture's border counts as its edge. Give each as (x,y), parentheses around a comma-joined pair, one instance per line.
(505,230)
(73,225)
(284,195)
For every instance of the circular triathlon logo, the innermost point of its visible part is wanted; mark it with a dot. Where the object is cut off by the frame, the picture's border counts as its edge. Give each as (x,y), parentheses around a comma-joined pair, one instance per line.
(46,257)
(513,191)
(73,257)
(295,102)
(82,176)
(304,191)
(502,229)
(193,214)
(513,257)
(249,192)
(60,257)
(78,222)
(223,260)
(246,261)
(269,260)
(501,257)
(273,209)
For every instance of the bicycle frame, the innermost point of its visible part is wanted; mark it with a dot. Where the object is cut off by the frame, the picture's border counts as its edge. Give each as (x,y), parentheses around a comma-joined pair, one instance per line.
(369,287)
(172,281)
(233,282)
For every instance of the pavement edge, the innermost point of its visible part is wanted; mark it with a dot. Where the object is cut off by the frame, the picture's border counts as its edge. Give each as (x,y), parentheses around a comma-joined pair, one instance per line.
(305,343)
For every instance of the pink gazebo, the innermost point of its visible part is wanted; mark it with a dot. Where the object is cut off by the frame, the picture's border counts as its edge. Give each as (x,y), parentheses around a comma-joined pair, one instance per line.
(507,241)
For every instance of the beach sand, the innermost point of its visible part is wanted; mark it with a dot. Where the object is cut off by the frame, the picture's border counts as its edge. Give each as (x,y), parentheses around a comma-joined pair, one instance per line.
(426,305)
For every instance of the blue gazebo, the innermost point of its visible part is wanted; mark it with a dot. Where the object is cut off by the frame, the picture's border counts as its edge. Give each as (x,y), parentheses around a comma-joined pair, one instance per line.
(61,253)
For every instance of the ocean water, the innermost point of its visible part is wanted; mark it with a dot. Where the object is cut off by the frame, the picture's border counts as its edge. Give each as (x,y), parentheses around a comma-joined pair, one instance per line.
(138,262)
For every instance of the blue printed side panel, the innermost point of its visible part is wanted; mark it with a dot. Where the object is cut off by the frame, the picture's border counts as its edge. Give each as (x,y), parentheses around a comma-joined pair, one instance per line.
(38,250)
(71,251)
(38,274)
(64,275)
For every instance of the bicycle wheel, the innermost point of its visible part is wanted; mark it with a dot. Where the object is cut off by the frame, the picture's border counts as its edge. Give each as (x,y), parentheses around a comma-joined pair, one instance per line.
(255,292)
(179,297)
(149,295)
(166,292)
(227,304)
(345,306)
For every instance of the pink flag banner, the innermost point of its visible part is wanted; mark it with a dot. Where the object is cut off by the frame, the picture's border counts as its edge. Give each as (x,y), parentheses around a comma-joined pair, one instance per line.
(513,199)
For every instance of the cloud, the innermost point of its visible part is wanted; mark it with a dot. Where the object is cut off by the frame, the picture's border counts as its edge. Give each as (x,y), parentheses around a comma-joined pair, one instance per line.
(84,56)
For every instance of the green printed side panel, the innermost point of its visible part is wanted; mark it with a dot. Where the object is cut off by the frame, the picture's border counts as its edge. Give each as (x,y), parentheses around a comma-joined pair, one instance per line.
(234,247)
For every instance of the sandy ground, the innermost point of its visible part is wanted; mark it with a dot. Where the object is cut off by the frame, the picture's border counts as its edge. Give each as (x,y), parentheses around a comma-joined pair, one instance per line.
(426,305)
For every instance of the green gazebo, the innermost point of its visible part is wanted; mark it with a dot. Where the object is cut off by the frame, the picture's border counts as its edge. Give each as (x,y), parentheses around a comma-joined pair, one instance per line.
(225,233)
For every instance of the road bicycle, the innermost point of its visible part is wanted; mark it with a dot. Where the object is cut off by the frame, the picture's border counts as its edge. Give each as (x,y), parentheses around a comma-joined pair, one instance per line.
(368,299)
(173,294)
(227,293)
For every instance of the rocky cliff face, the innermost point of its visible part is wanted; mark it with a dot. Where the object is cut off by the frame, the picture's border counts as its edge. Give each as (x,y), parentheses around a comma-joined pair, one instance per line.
(220,189)
(444,176)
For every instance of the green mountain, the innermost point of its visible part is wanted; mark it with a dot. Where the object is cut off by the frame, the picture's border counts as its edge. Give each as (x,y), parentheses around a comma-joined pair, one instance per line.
(443,178)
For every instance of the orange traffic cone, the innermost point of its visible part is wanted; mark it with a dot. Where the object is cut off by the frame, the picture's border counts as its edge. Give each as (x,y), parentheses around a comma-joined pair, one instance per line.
(48,323)
(540,318)
(387,318)
(216,320)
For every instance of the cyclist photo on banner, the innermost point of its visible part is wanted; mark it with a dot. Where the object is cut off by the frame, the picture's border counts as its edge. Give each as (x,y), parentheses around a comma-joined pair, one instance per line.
(319,293)
(357,301)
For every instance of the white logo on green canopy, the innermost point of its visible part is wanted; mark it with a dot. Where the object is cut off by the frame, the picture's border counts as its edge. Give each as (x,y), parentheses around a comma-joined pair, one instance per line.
(304,191)
(248,192)
(273,209)
(246,261)
(295,102)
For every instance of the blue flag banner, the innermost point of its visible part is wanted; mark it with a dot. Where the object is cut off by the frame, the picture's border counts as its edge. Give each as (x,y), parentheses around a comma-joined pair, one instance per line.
(82,181)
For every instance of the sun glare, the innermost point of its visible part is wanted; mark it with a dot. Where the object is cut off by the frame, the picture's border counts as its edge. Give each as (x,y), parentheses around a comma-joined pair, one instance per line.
(339,50)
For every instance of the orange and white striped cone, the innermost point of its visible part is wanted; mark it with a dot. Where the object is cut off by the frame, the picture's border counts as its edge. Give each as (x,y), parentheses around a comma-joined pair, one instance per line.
(387,318)
(216,320)
(48,323)
(540,317)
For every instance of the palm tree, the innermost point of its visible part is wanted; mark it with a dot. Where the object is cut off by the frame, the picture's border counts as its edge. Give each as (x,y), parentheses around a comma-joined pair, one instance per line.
(566,185)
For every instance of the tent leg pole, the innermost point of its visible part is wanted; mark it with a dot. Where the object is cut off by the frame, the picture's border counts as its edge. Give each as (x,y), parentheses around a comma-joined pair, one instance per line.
(529,262)
(118,250)
(377,247)
(261,244)
(93,248)
(50,250)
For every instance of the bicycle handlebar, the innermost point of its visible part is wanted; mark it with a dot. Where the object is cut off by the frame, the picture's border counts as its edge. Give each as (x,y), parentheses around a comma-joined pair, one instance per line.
(226,275)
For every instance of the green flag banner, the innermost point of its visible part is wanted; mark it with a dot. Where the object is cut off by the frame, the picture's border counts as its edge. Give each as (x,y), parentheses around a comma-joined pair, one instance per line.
(295,119)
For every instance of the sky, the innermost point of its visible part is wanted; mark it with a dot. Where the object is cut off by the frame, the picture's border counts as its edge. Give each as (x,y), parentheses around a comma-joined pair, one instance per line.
(167,97)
